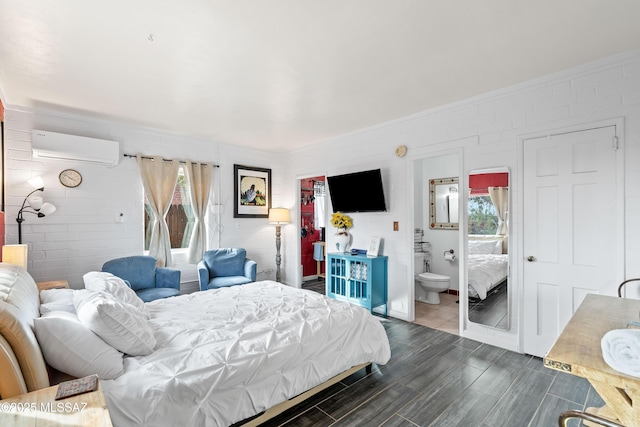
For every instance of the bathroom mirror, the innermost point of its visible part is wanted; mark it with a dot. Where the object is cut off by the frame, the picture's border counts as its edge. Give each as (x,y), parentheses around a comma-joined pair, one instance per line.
(443,203)
(488,247)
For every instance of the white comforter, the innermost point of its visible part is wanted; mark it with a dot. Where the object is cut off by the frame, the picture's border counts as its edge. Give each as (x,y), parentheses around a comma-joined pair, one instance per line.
(485,272)
(227,354)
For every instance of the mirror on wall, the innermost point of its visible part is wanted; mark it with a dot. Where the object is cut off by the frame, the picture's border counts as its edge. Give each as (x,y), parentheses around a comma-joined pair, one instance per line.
(488,247)
(443,203)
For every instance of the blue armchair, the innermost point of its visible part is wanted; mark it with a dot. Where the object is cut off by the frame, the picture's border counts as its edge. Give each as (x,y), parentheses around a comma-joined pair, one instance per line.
(225,267)
(148,281)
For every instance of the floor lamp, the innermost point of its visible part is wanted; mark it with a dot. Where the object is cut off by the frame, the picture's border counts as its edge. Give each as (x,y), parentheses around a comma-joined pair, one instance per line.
(33,205)
(278,217)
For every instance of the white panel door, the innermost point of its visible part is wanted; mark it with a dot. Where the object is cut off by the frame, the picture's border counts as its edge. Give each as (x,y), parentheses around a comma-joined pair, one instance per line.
(570,226)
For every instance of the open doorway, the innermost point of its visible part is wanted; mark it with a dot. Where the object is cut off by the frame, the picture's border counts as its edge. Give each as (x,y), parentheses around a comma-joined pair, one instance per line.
(312,229)
(436,242)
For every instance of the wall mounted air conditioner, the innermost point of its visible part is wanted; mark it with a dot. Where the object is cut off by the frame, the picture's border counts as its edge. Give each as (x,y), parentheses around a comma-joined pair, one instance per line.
(51,145)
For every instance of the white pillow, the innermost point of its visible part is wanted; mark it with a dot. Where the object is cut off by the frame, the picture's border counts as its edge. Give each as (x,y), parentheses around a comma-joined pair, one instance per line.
(56,300)
(482,246)
(101,281)
(498,248)
(72,348)
(120,324)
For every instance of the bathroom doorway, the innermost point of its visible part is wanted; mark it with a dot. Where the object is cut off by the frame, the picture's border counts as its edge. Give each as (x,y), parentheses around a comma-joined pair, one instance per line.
(436,242)
(312,229)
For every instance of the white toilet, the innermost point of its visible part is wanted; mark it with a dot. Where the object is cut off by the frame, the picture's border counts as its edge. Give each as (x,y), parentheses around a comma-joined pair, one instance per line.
(432,284)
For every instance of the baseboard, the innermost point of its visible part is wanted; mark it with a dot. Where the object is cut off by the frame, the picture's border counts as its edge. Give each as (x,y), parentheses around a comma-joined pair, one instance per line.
(453,292)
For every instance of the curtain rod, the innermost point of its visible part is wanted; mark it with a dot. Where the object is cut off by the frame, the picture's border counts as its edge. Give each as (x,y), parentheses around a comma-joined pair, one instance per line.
(133,156)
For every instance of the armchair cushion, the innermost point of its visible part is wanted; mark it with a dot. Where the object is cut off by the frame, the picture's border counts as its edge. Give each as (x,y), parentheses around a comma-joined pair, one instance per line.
(225,267)
(149,282)
(151,294)
(219,282)
(225,262)
(138,271)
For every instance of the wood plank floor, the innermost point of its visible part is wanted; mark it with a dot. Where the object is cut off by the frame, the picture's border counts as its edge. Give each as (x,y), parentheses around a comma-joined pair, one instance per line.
(438,379)
(493,310)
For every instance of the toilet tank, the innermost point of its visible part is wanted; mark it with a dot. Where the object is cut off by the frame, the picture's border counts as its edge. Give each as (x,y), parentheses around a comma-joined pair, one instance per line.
(418,263)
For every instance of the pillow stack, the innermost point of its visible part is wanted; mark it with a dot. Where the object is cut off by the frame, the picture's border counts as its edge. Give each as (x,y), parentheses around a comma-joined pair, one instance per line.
(87,331)
(71,347)
(56,300)
(485,247)
(118,323)
(101,281)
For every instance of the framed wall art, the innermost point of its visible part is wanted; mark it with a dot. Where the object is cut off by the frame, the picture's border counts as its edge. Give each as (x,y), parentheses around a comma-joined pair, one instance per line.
(374,246)
(252,192)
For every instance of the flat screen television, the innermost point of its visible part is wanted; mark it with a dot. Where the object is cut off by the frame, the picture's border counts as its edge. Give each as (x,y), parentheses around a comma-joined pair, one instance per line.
(357,192)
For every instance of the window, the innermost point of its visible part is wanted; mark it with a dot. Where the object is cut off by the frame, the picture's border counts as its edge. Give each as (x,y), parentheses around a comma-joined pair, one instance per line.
(483,218)
(180,218)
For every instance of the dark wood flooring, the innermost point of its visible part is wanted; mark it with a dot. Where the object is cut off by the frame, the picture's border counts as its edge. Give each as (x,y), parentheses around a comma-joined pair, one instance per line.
(315,285)
(438,379)
(492,311)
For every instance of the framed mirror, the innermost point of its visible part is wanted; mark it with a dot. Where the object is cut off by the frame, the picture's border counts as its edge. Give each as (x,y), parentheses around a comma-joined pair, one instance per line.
(488,247)
(443,203)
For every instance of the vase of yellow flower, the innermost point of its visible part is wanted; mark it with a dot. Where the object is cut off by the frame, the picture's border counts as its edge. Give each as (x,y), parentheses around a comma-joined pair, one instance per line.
(342,237)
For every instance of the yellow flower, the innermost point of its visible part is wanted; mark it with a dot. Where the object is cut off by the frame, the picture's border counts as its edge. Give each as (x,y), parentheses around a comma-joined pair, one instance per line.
(340,220)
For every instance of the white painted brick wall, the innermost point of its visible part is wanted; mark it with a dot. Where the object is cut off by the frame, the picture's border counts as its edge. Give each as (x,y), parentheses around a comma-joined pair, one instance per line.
(82,234)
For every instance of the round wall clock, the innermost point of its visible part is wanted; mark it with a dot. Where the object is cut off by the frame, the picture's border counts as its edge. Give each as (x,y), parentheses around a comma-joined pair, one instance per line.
(70,178)
(401,150)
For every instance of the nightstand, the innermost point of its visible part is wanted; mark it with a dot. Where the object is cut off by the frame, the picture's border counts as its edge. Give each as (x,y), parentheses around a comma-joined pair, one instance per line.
(39,408)
(52,284)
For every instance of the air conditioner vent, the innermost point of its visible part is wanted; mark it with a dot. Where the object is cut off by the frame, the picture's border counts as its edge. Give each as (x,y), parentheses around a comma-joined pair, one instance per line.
(51,145)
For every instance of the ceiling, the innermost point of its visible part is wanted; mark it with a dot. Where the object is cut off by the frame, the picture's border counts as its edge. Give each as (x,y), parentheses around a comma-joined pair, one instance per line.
(281,74)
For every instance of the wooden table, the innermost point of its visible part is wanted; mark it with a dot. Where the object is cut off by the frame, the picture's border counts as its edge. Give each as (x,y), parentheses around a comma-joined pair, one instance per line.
(39,409)
(577,351)
(52,284)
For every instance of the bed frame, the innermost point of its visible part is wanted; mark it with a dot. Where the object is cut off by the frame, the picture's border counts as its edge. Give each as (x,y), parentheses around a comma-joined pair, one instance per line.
(288,404)
(23,366)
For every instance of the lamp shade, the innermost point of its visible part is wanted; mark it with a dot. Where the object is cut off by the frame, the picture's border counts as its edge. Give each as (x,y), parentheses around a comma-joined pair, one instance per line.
(36,202)
(47,209)
(279,216)
(36,182)
(15,254)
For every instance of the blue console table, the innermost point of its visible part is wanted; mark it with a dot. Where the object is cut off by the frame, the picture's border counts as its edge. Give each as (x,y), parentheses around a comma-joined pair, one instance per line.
(358,279)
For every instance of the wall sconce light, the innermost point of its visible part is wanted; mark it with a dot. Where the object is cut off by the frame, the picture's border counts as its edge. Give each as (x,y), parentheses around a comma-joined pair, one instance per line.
(278,217)
(34,205)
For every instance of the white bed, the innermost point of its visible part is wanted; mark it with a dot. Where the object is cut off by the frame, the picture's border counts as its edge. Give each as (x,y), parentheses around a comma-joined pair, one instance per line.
(488,264)
(486,271)
(221,355)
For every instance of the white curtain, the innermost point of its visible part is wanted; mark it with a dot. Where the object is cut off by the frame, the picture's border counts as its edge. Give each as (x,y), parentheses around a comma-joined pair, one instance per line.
(159,180)
(500,199)
(199,176)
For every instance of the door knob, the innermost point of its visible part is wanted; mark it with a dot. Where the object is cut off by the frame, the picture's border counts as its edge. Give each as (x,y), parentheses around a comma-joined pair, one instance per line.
(531,258)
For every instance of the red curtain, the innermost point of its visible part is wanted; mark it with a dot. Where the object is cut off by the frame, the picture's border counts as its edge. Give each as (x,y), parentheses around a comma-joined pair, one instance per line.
(479,184)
